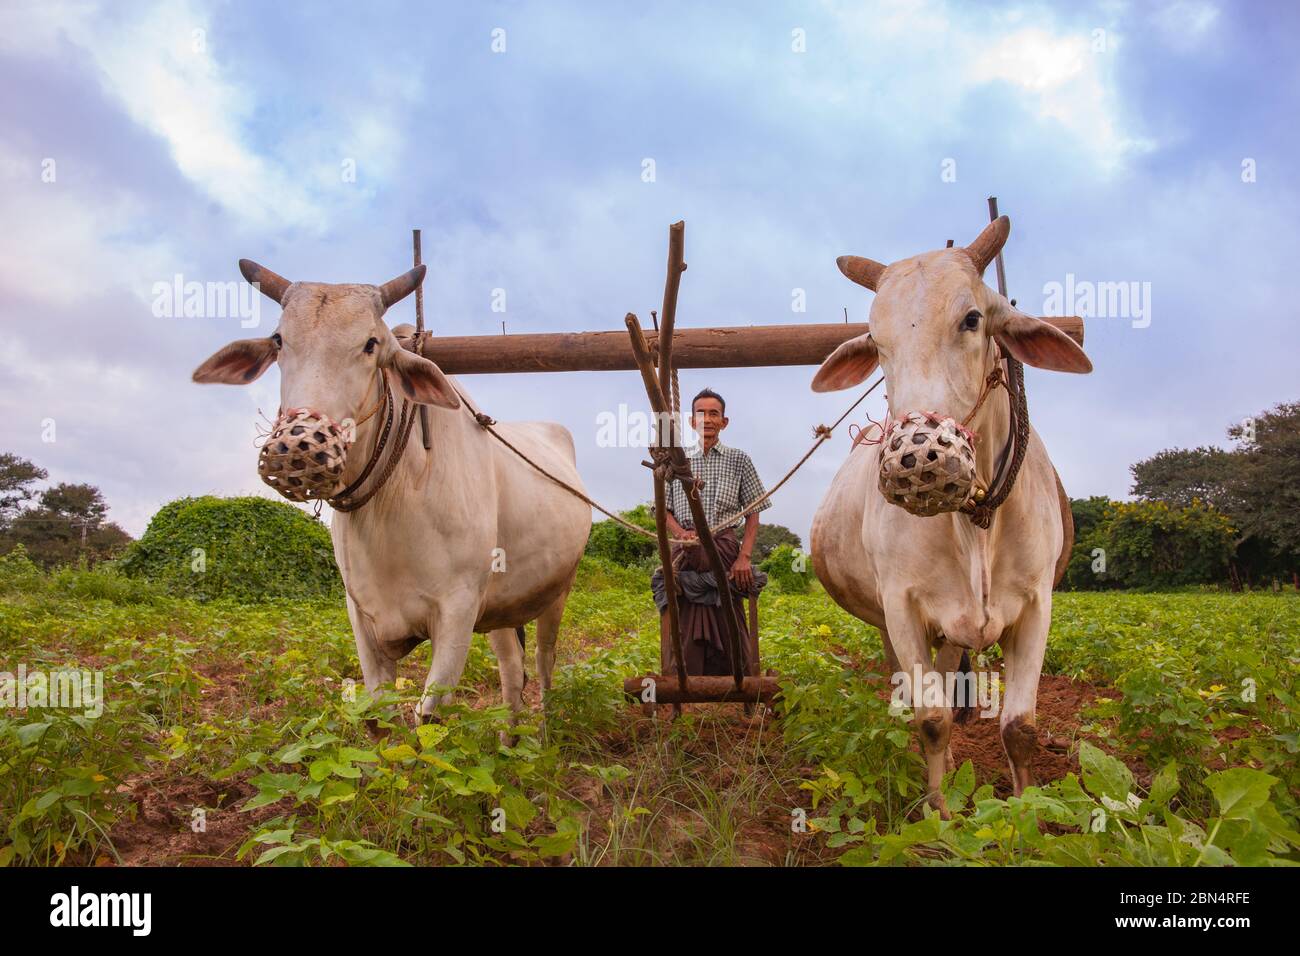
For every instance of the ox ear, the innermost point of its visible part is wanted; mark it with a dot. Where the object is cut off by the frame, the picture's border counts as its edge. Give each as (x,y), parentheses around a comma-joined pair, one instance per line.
(422,381)
(238,363)
(848,365)
(1039,343)
(395,290)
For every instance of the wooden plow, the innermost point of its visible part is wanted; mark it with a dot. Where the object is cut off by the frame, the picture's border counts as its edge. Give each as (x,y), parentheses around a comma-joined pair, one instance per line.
(657,360)
(670,463)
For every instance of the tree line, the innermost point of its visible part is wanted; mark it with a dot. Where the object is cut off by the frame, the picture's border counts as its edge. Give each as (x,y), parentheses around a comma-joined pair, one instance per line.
(1201,515)
(63,524)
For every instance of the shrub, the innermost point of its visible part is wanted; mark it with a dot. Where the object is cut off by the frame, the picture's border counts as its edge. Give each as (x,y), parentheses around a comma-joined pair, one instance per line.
(18,574)
(248,549)
(1153,545)
(611,541)
(783,568)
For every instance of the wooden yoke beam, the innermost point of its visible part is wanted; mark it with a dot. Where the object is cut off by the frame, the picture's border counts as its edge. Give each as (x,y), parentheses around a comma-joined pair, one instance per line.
(744,346)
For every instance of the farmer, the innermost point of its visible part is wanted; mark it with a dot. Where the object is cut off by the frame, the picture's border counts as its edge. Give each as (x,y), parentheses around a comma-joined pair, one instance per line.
(730,484)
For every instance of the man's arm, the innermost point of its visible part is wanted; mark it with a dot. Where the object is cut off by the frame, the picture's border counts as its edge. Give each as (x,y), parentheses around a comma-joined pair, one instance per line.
(674,529)
(742,572)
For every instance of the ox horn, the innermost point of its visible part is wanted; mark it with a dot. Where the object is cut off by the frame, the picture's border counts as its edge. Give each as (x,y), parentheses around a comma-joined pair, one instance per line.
(865,272)
(989,243)
(395,290)
(273,286)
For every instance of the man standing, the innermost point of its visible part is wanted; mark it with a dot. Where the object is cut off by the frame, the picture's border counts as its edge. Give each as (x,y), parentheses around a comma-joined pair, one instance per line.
(730,484)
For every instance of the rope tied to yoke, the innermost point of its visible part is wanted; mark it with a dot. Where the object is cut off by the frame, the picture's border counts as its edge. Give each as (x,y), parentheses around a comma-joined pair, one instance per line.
(662,458)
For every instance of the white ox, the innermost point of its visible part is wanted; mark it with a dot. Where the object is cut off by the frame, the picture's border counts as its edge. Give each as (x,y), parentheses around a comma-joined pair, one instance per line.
(941,581)
(463,537)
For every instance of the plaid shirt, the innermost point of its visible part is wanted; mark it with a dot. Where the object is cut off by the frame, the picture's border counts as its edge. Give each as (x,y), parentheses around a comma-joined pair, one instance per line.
(730,483)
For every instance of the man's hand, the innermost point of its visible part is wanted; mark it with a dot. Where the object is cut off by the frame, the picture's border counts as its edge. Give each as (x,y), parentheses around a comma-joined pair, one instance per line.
(742,572)
(677,531)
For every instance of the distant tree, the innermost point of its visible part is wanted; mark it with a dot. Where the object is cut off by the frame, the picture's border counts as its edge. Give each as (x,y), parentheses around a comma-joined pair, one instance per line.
(1088,513)
(1084,571)
(18,478)
(1180,476)
(771,536)
(67,524)
(1266,486)
(1149,544)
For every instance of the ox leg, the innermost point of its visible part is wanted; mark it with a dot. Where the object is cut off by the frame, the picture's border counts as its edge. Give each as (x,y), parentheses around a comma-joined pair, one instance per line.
(451,629)
(548,631)
(891,658)
(933,718)
(1022,651)
(510,663)
(377,669)
(946,661)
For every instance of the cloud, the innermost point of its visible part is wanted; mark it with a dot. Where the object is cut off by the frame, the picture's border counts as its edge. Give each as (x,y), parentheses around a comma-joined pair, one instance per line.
(524,170)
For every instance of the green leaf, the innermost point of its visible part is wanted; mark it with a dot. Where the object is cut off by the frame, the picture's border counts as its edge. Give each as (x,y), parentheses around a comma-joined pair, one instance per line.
(1104,774)
(554,844)
(1164,785)
(431,735)
(30,733)
(519,809)
(1239,791)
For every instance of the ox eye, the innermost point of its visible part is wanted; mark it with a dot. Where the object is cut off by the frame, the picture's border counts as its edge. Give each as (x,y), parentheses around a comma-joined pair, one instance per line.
(370,345)
(971,322)
(279,342)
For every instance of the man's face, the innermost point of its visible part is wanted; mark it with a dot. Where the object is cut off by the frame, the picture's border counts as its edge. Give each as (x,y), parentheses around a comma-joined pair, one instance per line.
(707,418)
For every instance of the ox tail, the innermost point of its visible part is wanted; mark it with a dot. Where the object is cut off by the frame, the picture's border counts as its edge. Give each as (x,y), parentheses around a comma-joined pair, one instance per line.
(965,712)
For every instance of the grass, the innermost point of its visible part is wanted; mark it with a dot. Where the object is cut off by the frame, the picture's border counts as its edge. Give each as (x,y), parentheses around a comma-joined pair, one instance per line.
(253,715)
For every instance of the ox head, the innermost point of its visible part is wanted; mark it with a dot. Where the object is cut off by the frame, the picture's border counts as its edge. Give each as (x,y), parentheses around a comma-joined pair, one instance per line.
(933,327)
(332,346)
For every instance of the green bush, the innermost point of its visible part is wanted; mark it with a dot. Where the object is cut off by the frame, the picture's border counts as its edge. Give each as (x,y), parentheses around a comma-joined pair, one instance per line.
(781,567)
(1153,545)
(247,549)
(611,541)
(1149,544)
(18,574)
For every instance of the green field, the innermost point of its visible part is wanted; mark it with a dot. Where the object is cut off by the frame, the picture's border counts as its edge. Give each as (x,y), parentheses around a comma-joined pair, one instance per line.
(1169,722)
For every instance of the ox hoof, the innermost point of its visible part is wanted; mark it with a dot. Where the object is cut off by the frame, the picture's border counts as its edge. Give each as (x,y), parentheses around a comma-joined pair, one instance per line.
(938,803)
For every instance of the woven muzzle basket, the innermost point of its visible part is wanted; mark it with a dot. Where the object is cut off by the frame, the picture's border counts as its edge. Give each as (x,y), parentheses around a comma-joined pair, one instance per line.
(927,464)
(304,456)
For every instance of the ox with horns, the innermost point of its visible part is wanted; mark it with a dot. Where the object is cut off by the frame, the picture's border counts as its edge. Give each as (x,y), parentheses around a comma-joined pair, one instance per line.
(460,538)
(940,581)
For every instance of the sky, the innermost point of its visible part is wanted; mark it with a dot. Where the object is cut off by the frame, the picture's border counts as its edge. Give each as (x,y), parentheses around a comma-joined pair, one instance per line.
(1146,144)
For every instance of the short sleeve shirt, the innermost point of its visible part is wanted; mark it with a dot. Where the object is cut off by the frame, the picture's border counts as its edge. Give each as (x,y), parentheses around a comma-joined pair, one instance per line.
(730,483)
